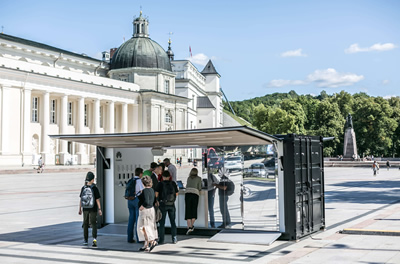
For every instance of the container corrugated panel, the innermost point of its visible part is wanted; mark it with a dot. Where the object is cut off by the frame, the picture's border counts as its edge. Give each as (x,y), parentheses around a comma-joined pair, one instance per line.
(304,186)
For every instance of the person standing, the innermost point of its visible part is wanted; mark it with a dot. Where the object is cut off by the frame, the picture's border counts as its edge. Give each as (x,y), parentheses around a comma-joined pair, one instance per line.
(147,227)
(225,188)
(134,188)
(192,193)
(375,167)
(40,165)
(388,164)
(90,202)
(166,193)
(171,169)
(152,173)
(212,181)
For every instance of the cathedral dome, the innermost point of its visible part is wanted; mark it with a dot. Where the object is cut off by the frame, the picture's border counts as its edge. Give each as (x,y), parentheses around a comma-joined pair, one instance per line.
(140,50)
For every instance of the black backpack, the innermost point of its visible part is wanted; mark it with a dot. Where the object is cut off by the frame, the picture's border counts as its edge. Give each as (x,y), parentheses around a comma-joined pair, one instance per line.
(168,193)
(230,186)
(87,197)
(130,189)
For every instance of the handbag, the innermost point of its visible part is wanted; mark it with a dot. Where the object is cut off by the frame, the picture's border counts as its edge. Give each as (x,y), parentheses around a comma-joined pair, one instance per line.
(158,214)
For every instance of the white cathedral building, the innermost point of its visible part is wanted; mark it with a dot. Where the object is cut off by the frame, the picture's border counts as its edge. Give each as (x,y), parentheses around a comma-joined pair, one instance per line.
(46,90)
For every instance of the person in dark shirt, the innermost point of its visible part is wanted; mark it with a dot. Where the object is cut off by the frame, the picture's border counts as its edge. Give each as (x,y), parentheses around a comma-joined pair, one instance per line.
(90,214)
(170,209)
(147,227)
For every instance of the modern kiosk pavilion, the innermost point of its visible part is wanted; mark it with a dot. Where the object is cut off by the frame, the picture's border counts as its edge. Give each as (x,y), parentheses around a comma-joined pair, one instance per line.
(300,205)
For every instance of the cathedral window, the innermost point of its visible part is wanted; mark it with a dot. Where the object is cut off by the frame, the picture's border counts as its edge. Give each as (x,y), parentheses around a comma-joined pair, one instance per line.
(70,113)
(52,111)
(166,86)
(35,109)
(168,117)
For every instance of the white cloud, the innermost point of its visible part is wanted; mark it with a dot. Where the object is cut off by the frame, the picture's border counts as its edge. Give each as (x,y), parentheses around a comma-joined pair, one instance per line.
(293,53)
(354,48)
(281,83)
(384,82)
(199,58)
(328,78)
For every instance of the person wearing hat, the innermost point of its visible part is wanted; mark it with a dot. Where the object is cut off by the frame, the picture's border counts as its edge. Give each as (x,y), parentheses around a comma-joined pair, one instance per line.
(90,203)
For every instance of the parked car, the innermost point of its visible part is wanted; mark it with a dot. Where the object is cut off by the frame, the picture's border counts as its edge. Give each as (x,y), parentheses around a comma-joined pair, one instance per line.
(270,166)
(256,170)
(234,163)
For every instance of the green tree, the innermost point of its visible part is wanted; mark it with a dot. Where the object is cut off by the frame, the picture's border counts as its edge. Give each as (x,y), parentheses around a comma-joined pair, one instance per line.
(329,123)
(374,126)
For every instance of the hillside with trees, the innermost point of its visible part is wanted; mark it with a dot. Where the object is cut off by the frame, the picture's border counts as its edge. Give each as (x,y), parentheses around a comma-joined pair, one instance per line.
(376,120)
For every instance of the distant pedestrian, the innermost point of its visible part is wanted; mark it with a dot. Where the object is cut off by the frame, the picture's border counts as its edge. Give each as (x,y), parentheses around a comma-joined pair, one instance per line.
(40,165)
(388,164)
(375,167)
(192,193)
(90,202)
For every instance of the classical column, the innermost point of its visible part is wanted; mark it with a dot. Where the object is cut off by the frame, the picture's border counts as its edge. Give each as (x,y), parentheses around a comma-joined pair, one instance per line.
(63,128)
(110,117)
(95,127)
(162,118)
(27,137)
(134,120)
(5,120)
(82,157)
(124,117)
(96,116)
(45,124)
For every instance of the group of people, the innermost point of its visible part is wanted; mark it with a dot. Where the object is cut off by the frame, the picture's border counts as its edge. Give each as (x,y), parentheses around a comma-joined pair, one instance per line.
(150,196)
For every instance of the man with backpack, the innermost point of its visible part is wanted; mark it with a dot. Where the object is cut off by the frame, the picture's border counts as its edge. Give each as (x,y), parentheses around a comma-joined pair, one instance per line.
(166,193)
(132,191)
(90,202)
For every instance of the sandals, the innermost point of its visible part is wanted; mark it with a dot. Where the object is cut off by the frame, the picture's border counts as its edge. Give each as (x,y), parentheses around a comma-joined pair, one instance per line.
(149,248)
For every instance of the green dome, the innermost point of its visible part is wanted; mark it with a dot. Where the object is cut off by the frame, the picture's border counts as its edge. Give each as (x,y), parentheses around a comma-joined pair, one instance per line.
(140,52)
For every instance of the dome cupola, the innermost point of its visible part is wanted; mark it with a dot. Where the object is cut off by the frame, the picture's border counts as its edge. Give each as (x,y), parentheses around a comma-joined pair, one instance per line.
(140,51)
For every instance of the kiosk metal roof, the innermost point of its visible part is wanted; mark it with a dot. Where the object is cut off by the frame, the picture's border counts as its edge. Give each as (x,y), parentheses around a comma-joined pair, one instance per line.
(223,136)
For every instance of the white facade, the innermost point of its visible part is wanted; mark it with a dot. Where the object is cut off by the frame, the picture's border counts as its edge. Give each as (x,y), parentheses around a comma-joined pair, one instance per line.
(45,91)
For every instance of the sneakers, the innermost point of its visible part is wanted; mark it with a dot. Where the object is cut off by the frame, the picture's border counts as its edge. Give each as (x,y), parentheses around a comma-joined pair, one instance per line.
(94,243)
(190,230)
(85,243)
(174,240)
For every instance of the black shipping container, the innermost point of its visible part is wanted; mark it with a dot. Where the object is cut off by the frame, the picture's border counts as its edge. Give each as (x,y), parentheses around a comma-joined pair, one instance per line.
(304,201)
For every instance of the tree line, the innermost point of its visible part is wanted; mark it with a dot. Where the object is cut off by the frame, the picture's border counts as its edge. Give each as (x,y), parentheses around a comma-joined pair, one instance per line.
(376,120)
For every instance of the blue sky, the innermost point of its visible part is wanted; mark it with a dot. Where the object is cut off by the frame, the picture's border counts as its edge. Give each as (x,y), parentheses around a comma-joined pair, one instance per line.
(258,47)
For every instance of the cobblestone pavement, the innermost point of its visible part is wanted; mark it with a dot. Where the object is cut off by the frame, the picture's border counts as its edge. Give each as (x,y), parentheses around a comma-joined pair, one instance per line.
(40,224)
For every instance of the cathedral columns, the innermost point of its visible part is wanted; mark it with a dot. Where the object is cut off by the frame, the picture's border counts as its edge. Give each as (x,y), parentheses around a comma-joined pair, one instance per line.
(124,117)
(134,119)
(96,127)
(82,156)
(45,117)
(27,140)
(63,129)
(111,121)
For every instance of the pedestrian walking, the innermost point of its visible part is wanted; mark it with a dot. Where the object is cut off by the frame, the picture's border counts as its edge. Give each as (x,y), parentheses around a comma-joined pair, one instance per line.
(90,203)
(147,227)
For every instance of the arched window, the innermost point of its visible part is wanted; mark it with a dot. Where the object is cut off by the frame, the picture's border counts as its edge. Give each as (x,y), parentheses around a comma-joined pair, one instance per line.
(168,117)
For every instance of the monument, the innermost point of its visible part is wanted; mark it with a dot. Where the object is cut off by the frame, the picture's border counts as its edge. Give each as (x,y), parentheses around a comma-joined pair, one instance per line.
(350,145)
